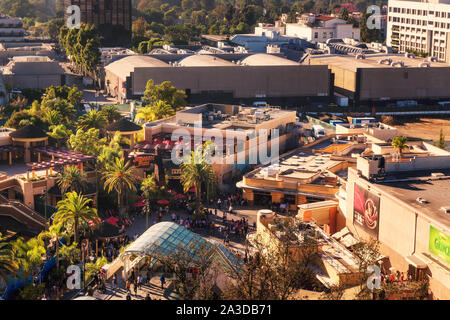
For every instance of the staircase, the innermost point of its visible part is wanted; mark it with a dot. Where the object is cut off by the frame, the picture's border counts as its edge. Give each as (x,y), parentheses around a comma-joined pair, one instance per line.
(21,213)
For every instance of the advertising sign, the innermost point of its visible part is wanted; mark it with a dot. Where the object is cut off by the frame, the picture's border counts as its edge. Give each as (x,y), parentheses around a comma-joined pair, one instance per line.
(143,161)
(439,244)
(366,210)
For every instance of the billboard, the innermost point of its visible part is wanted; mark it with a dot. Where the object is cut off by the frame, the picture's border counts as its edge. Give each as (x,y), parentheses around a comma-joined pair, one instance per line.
(439,244)
(366,210)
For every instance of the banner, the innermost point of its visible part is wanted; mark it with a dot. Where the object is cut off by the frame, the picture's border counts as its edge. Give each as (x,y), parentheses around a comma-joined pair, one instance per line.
(439,244)
(366,210)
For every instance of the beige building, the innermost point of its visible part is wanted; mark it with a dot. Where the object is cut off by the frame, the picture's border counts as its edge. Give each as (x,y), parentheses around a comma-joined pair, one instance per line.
(404,203)
(238,130)
(207,78)
(320,28)
(422,26)
(383,77)
(36,72)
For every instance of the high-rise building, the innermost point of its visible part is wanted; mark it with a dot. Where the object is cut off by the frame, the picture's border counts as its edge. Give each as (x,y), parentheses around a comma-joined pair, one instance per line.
(111,17)
(420,26)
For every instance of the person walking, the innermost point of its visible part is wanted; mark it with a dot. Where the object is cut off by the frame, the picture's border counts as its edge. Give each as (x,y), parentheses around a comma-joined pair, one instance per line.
(163,281)
(114,282)
(140,281)
(147,297)
(136,286)
(128,296)
(128,285)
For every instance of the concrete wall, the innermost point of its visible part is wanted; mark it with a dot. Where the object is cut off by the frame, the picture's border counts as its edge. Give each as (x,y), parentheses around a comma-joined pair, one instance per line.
(33,81)
(405,83)
(400,236)
(241,81)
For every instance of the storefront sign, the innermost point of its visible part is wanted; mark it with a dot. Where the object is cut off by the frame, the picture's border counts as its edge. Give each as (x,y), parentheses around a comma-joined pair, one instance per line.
(366,210)
(439,244)
(143,161)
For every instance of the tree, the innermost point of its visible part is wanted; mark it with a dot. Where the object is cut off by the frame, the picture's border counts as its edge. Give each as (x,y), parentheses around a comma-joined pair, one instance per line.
(120,177)
(59,132)
(87,141)
(94,119)
(197,255)
(157,110)
(54,233)
(367,253)
(165,92)
(344,14)
(19,103)
(195,172)
(73,209)
(111,113)
(441,144)
(72,179)
(399,143)
(145,113)
(139,26)
(8,267)
(65,108)
(276,270)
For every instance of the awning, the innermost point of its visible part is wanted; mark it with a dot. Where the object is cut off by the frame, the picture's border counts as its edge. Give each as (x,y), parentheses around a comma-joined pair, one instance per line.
(417,262)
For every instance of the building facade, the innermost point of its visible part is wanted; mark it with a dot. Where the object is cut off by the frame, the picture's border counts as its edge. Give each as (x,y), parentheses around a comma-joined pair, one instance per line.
(319,28)
(420,26)
(10,29)
(111,17)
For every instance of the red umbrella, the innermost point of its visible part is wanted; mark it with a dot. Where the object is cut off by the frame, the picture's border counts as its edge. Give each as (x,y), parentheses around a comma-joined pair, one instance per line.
(112,220)
(139,204)
(191,189)
(163,202)
(179,196)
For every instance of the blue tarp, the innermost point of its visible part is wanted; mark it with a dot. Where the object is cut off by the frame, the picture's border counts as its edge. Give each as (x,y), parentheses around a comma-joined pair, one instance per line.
(15,285)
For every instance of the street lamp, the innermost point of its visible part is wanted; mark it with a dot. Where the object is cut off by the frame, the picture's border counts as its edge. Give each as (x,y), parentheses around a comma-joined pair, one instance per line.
(147,211)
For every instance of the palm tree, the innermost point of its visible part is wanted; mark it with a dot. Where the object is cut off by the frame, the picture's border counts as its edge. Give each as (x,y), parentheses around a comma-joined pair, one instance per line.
(73,209)
(195,172)
(149,186)
(8,266)
(161,110)
(27,254)
(54,233)
(145,113)
(59,132)
(72,179)
(93,119)
(399,143)
(110,113)
(120,177)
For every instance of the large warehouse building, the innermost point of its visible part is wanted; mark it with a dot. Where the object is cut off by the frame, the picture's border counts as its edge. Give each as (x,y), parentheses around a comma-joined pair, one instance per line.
(208,78)
(386,77)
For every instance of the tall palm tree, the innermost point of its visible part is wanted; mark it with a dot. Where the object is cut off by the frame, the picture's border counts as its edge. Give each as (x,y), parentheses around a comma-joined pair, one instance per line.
(149,186)
(399,143)
(120,177)
(195,172)
(93,119)
(54,233)
(161,110)
(111,113)
(8,266)
(59,132)
(145,113)
(72,179)
(73,209)
(27,254)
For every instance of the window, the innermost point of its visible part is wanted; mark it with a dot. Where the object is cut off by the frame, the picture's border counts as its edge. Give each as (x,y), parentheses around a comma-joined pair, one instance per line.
(316,35)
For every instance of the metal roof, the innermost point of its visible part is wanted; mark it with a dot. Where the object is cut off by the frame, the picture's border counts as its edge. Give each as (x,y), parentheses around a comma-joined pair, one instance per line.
(123,67)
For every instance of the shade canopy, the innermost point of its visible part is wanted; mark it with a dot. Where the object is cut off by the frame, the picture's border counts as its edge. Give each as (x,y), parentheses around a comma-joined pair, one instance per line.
(166,238)
(29,132)
(124,125)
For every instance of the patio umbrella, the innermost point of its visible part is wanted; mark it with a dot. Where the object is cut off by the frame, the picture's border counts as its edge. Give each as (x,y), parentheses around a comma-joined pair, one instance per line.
(112,220)
(180,196)
(139,204)
(163,201)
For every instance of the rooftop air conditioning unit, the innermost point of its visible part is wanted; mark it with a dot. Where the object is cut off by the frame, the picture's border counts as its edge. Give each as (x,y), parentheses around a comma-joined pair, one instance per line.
(446,209)
(421,200)
(437,174)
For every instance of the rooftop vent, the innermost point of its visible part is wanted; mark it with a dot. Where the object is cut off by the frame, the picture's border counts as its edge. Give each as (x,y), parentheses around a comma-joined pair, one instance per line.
(421,200)
(437,174)
(446,209)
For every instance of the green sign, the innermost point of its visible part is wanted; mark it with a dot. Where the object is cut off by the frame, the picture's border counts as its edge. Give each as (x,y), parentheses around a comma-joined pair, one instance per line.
(439,244)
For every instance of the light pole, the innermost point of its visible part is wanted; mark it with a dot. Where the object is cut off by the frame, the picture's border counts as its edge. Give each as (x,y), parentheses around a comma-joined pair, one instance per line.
(147,211)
